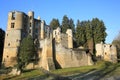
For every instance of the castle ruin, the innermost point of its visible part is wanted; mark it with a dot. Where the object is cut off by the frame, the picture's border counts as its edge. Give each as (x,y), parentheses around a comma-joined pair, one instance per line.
(55,49)
(107,52)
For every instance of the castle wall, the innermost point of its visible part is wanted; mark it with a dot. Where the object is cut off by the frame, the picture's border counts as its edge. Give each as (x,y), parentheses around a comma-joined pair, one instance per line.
(57,35)
(12,38)
(99,50)
(107,51)
(71,58)
(9,56)
(46,58)
(64,40)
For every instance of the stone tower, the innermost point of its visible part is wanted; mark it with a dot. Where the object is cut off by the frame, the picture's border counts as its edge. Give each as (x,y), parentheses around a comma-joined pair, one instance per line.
(13,37)
(18,27)
(31,22)
(70,38)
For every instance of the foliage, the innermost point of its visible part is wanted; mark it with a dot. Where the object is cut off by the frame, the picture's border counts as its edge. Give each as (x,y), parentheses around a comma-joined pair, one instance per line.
(27,52)
(2,36)
(25,75)
(65,24)
(72,26)
(89,33)
(54,23)
(80,33)
(86,34)
(68,24)
(98,28)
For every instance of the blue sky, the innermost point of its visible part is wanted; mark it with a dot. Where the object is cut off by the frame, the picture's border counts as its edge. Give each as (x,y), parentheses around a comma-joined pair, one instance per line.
(106,10)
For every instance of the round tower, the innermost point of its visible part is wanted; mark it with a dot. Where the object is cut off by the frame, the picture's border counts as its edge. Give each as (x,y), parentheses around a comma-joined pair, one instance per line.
(31,23)
(12,37)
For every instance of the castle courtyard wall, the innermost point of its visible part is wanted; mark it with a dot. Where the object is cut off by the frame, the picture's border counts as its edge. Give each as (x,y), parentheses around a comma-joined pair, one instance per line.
(72,58)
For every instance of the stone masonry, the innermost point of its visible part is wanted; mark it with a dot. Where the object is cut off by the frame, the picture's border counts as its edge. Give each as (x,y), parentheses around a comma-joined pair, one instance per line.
(107,52)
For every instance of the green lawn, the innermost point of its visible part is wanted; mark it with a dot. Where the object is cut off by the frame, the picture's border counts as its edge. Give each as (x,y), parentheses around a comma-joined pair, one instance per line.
(102,69)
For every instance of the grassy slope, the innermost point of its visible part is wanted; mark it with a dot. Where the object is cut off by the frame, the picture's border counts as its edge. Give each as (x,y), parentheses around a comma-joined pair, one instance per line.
(102,69)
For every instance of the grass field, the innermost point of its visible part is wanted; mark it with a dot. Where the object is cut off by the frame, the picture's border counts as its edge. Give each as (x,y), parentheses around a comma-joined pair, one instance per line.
(102,69)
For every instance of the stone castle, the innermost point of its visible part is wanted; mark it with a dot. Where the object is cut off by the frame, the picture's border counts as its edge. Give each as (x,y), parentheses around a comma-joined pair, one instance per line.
(55,49)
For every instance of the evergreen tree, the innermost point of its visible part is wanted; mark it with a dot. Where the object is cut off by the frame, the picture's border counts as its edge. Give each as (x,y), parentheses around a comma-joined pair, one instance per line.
(89,31)
(26,53)
(72,26)
(54,23)
(89,36)
(99,29)
(65,24)
(2,36)
(80,33)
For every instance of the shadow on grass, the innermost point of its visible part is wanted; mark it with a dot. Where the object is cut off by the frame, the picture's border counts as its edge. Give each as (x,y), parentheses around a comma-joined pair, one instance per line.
(105,71)
(54,76)
(28,70)
(11,77)
(97,74)
(80,75)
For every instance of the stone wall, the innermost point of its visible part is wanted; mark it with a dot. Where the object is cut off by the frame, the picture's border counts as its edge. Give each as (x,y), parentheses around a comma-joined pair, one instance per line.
(107,52)
(46,58)
(12,42)
(71,58)
(64,40)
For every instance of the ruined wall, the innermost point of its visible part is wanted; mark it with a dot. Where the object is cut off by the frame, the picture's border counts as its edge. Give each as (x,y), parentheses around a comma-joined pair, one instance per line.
(46,58)
(71,58)
(99,49)
(70,38)
(57,35)
(107,52)
(110,53)
(64,40)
